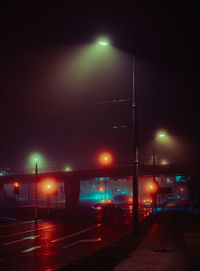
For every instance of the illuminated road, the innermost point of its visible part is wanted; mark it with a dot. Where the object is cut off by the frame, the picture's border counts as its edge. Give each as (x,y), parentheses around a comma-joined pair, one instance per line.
(49,245)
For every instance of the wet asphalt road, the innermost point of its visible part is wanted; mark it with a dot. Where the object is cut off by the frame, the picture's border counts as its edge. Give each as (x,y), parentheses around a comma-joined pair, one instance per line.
(48,245)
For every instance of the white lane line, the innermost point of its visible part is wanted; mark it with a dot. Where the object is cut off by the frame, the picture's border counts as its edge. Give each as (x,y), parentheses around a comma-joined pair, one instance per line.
(84,241)
(30,249)
(21,240)
(17,233)
(20,223)
(76,233)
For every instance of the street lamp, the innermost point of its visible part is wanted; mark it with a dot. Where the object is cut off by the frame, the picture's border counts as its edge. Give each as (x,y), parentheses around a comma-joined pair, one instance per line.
(104,42)
(160,135)
(36,159)
(105,160)
(49,187)
(68,169)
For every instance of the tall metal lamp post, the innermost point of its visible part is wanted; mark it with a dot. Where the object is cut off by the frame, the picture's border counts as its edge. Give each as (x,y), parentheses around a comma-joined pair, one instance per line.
(159,135)
(135,145)
(36,192)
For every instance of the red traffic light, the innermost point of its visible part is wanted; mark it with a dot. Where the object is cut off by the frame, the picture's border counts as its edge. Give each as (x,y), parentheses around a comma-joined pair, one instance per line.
(16,188)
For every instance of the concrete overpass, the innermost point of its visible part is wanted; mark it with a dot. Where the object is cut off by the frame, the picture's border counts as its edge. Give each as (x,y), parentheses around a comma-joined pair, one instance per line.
(121,171)
(72,179)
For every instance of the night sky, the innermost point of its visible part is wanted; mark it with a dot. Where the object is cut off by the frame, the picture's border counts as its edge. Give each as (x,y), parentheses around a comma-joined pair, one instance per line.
(49,97)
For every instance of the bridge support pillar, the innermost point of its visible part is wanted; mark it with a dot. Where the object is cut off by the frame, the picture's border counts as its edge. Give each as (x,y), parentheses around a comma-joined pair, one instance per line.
(72,192)
(2,198)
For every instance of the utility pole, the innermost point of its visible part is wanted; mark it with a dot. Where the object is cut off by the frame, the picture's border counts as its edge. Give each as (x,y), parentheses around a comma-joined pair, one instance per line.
(36,193)
(154,178)
(135,159)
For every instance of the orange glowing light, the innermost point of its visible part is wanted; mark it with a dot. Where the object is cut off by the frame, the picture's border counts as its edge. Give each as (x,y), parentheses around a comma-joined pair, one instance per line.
(105,159)
(101,189)
(48,185)
(16,184)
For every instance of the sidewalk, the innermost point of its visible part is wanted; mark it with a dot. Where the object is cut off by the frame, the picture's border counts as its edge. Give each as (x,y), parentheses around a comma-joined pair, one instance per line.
(172,244)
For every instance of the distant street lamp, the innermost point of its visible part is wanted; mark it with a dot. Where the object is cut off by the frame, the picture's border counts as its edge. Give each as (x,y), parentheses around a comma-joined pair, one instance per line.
(105,42)
(159,136)
(49,188)
(67,169)
(105,160)
(164,162)
(36,159)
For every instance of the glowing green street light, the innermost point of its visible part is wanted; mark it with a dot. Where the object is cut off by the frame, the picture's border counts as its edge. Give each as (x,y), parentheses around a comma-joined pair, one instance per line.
(164,162)
(161,135)
(67,169)
(36,159)
(103,42)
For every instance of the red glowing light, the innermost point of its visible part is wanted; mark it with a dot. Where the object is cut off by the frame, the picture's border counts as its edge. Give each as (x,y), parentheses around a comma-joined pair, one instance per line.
(16,184)
(105,159)
(48,185)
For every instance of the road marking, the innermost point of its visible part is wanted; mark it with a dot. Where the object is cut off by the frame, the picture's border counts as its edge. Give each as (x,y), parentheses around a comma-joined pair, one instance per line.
(30,249)
(76,233)
(17,233)
(84,241)
(20,223)
(21,240)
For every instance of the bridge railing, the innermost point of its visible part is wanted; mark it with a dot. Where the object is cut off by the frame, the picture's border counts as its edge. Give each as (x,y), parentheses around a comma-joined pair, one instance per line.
(53,169)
